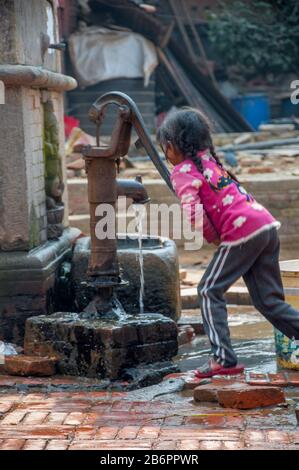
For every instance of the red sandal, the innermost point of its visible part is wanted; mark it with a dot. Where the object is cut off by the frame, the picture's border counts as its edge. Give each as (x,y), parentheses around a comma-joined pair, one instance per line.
(208,370)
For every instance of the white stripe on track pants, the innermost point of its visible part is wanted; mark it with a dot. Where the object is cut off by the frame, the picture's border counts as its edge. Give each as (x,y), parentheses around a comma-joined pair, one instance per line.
(257,261)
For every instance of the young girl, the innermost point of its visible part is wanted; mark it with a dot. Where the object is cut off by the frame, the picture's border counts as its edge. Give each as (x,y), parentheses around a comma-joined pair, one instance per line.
(244,231)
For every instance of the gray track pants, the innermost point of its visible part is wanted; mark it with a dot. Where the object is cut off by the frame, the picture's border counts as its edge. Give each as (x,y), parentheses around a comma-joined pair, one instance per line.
(257,261)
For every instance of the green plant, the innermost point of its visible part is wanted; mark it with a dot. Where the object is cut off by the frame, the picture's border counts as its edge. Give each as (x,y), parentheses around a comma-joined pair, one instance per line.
(257,38)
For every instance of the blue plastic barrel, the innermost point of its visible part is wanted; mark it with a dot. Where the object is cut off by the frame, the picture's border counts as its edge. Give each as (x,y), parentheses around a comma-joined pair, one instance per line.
(254,108)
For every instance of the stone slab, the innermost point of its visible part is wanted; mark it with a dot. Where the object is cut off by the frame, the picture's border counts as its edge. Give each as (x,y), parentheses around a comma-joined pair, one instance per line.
(101,348)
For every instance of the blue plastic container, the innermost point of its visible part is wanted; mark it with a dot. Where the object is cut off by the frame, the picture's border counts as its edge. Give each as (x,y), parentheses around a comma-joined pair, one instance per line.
(254,108)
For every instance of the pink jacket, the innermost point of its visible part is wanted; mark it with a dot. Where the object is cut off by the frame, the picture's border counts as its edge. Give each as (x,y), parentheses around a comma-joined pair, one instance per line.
(229,212)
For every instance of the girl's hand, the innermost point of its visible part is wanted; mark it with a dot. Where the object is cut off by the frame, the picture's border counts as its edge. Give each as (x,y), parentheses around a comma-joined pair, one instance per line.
(216,242)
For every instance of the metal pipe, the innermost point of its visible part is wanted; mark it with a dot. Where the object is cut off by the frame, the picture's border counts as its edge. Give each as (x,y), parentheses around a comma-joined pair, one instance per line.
(96,114)
(102,189)
(133,189)
(266,144)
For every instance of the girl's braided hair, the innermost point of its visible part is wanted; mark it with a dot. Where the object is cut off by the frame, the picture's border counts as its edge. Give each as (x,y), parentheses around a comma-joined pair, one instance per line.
(189,131)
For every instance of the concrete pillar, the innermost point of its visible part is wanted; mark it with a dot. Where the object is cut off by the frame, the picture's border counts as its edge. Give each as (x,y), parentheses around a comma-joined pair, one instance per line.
(29,261)
(22,195)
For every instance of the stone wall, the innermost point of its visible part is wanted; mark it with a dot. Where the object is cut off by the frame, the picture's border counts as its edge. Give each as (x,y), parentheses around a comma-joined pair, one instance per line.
(22,196)
(30,71)
(23,223)
(33,147)
(22,24)
(280,194)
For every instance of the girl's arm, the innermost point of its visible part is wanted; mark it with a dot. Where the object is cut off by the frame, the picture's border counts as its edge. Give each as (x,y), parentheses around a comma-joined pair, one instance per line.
(186,187)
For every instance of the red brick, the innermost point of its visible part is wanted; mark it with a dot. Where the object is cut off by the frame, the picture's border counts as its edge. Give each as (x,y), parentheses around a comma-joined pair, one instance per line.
(145,407)
(85,432)
(210,445)
(76,418)
(111,445)
(278,436)
(98,395)
(34,444)
(190,444)
(200,434)
(121,405)
(239,395)
(12,444)
(119,394)
(149,432)
(128,432)
(232,445)
(258,379)
(118,419)
(6,381)
(279,380)
(29,366)
(165,445)
(55,418)
(253,436)
(293,379)
(35,397)
(95,418)
(35,417)
(11,397)
(15,417)
(229,380)
(205,393)
(57,445)
(237,422)
(260,169)
(106,432)
(5,407)
(207,421)
(39,431)
(248,397)
(174,420)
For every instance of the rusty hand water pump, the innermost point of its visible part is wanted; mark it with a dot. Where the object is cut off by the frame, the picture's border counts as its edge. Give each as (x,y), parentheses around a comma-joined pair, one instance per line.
(103,188)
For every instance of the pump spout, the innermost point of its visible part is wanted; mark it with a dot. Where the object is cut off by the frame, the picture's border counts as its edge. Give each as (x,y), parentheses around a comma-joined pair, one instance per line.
(133,189)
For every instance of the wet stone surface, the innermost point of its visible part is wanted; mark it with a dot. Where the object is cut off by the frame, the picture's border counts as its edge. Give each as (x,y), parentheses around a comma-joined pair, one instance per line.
(113,420)
(98,348)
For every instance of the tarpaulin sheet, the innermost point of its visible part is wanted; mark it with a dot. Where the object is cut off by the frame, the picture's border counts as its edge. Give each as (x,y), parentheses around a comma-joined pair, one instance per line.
(99,54)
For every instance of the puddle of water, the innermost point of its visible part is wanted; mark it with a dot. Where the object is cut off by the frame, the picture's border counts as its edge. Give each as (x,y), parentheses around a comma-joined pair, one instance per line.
(252,338)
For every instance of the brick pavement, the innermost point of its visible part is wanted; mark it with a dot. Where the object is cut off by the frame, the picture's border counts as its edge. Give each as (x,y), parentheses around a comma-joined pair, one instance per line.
(115,420)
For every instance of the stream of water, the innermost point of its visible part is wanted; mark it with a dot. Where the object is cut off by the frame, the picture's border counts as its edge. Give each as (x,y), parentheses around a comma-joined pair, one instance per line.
(139,219)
